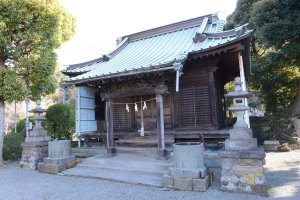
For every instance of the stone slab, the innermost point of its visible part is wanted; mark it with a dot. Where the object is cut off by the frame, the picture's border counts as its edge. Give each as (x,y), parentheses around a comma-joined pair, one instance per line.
(181,183)
(71,164)
(167,181)
(199,173)
(270,145)
(240,145)
(253,154)
(132,177)
(201,185)
(56,161)
(35,144)
(50,168)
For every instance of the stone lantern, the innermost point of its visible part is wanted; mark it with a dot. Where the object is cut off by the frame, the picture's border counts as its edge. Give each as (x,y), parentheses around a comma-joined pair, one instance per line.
(242,160)
(241,137)
(35,147)
(38,133)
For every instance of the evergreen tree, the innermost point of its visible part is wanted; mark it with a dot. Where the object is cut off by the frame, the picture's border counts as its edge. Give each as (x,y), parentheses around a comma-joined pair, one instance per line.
(275,50)
(30,31)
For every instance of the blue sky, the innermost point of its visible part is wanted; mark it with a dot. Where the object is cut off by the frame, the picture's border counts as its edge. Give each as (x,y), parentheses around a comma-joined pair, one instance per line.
(99,23)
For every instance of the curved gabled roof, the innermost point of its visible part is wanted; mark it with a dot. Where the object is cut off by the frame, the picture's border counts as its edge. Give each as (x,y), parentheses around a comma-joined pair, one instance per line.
(159,48)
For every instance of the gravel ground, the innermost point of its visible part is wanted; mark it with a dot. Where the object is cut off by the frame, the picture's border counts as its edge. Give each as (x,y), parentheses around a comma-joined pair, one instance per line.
(282,174)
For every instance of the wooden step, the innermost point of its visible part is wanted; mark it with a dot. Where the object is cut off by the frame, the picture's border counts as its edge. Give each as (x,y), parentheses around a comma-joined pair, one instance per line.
(146,142)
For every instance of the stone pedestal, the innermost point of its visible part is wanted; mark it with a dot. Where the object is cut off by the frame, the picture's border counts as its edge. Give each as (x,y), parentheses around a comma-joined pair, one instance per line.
(59,158)
(242,171)
(241,139)
(33,153)
(242,164)
(189,172)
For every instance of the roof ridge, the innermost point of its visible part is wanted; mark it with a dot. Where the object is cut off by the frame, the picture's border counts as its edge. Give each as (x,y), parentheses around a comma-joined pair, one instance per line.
(169,28)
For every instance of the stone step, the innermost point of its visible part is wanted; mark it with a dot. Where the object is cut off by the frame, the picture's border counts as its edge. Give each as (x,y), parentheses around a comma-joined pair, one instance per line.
(127,162)
(145,144)
(133,177)
(146,141)
(140,151)
(87,152)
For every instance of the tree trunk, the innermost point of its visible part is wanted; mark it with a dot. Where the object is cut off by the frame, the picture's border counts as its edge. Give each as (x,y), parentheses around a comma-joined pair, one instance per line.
(2,129)
(294,110)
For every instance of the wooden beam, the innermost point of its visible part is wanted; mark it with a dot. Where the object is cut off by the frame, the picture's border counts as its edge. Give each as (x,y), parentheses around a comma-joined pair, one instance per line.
(138,91)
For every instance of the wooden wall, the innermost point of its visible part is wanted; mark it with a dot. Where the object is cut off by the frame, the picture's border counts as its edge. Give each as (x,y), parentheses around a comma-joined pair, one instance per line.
(198,102)
(197,106)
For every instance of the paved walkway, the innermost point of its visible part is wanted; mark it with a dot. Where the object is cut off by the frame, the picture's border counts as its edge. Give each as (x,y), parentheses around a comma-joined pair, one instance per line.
(282,173)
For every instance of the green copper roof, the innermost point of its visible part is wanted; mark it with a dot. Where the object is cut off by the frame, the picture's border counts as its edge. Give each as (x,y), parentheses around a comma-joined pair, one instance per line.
(159,49)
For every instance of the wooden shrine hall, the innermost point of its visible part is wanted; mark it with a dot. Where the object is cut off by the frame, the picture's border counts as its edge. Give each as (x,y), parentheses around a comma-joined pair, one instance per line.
(163,81)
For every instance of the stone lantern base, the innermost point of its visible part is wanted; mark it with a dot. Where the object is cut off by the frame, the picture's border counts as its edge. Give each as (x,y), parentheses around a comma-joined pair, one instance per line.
(242,171)
(242,164)
(33,153)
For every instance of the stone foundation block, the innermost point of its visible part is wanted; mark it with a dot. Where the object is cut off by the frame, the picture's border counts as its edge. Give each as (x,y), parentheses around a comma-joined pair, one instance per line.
(167,181)
(44,168)
(162,152)
(55,161)
(242,144)
(184,173)
(271,145)
(71,164)
(54,169)
(188,173)
(50,168)
(181,183)
(32,155)
(243,172)
(200,185)
(111,150)
(52,161)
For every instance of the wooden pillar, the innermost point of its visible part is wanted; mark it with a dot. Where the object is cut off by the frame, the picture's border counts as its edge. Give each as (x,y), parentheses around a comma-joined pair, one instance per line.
(160,126)
(243,79)
(109,128)
(214,113)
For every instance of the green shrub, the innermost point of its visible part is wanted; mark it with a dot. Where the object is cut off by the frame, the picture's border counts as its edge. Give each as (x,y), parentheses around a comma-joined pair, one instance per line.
(60,121)
(12,149)
(21,124)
